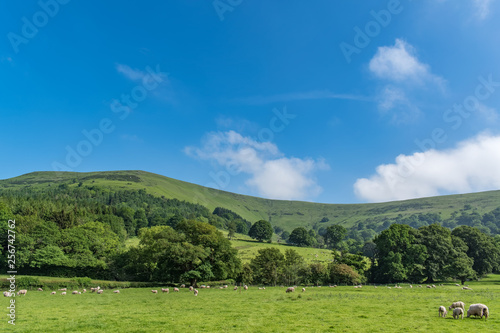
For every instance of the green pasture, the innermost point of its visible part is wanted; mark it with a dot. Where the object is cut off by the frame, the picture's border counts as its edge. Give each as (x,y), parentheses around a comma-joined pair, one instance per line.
(341,309)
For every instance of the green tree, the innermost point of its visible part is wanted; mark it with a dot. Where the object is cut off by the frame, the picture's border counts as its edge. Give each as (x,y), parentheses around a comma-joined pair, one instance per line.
(334,235)
(481,249)
(267,265)
(261,230)
(440,250)
(342,273)
(292,266)
(399,256)
(300,237)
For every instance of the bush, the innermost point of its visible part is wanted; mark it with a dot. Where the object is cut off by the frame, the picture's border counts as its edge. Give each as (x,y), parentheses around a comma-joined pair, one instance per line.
(28,282)
(82,281)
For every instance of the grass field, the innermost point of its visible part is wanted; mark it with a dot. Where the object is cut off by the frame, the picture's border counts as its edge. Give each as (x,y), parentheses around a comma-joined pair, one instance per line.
(341,309)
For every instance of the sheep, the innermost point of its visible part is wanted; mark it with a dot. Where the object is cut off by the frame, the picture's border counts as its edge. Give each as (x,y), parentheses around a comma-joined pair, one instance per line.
(7,294)
(75,292)
(208,287)
(303,289)
(53,293)
(100,291)
(63,289)
(183,286)
(457,312)
(429,286)
(154,291)
(225,286)
(290,290)
(245,287)
(235,288)
(22,292)
(442,312)
(457,285)
(79,293)
(116,291)
(165,290)
(40,289)
(191,288)
(196,292)
(466,288)
(63,293)
(411,286)
(478,310)
(433,286)
(84,290)
(176,289)
(457,305)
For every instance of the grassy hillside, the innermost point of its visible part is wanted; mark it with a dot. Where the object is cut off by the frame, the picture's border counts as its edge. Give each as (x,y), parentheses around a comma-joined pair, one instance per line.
(282,213)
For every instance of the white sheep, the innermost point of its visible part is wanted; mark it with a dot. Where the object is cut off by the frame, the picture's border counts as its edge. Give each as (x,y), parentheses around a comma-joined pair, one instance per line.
(442,312)
(165,290)
(245,287)
(75,292)
(196,292)
(100,291)
(53,293)
(116,291)
(40,289)
(176,289)
(457,305)
(457,312)
(154,291)
(7,294)
(290,290)
(303,289)
(63,293)
(22,292)
(478,310)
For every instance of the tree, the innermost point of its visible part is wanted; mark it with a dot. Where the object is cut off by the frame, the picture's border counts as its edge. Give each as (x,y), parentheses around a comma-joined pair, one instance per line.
(334,235)
(342,273)
(399,256)
(261,230)
(300,237)
(294,262)
(267,265)
(440,250)
(231,228)
(481,249)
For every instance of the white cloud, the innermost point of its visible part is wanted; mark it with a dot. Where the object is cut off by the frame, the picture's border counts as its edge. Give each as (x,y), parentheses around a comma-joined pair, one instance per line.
(299,96)
(488,113)
(130,73)
(474,165)
(399,63)
(482,8)
(394,101)
(271,174)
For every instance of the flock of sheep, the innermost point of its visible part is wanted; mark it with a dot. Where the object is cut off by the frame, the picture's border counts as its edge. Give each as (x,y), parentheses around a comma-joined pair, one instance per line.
(480,310)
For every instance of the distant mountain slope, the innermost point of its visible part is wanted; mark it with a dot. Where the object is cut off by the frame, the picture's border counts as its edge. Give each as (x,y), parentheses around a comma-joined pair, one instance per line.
(285,214)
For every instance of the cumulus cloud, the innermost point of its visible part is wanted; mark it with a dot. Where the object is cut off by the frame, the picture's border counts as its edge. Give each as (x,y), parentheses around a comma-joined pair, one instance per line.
(472,166)
(398,63)
(271,174)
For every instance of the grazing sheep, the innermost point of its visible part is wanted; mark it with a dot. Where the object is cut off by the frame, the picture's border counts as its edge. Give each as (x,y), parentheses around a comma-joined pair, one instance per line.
(411,286)
(245,287)
(208,287)
(165,290)
(456,284)
(303,289)
(429,286)
(442,312)
(203,286)
(457,312)
(183,286)
(225,286)
(7,294)
(75,292)
(457,305)
(176,289)
(433,286)
(290,290)
(154,291)
(235,288)
(116,291)
(478,310)
(466,288)
(22,292)
(40,289)
(53,293)
(63,293)
(93,290)
(84,290)
(196,292)
(63,289)
(191,288)
(100,291)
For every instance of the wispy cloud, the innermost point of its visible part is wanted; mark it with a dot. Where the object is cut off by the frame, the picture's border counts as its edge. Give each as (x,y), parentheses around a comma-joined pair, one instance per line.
(473,165)
(482,8)
(401,73)
(299,96)
(271,174)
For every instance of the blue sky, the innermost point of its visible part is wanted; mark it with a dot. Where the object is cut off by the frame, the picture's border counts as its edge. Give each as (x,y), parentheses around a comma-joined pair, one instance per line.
(326,101)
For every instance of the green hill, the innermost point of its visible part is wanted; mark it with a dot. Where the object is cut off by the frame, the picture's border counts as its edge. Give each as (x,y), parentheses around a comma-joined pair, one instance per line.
(284,214)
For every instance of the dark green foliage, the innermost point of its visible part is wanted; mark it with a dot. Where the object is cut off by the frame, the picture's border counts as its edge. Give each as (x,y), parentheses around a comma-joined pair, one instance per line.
(300,237)
(266,266)
(334,234)
(261,230)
